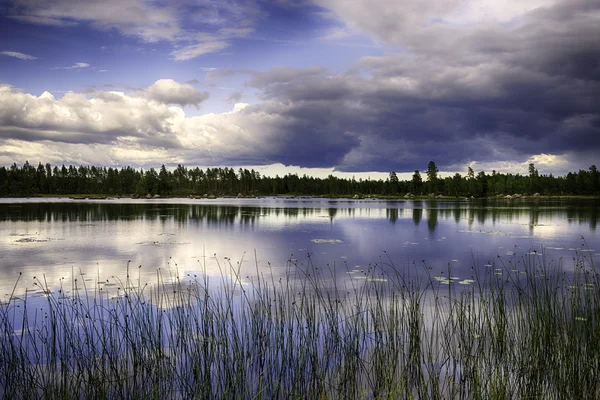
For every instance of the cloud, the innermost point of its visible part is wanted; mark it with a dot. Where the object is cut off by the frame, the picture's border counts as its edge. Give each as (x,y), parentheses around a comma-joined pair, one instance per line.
(263,134)
(130,124)
(385,113)
(16,54)
(336,33)
(225,73)
(196,28)
(76,118)
(463,87)
(196,50)
(401,109)
(39,20)
(130,17)
(118,152)
(78,65)
(168,91)
(468,84)
(233,97)
(408,23)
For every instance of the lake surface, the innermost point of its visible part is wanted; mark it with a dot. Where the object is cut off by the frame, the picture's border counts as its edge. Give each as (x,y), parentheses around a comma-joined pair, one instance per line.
(60,240)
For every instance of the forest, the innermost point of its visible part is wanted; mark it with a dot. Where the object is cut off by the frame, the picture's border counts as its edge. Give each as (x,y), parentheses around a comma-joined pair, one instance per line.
(28,180)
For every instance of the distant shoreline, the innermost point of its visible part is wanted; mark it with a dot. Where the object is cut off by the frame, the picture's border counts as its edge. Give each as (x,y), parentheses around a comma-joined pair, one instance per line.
(345,197)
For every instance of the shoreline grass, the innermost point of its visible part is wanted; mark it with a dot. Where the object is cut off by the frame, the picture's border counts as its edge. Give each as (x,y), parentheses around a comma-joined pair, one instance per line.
(523,328)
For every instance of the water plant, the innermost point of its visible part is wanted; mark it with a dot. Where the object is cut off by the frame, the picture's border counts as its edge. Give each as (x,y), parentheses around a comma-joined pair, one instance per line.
(382,332)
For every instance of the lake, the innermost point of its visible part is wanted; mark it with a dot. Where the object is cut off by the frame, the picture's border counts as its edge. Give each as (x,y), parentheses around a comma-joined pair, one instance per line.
(62,240)
(299,298)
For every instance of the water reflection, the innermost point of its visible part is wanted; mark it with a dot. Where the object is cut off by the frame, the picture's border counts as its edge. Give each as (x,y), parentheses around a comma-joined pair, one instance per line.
(432,216)
(482,212)
(392,214)
(417,215)
(62,238)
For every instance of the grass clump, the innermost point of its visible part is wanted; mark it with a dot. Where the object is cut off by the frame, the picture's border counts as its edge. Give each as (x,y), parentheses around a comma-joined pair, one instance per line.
(530,332)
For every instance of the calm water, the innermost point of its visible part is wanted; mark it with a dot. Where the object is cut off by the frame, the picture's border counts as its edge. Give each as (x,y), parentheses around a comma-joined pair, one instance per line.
(60,240)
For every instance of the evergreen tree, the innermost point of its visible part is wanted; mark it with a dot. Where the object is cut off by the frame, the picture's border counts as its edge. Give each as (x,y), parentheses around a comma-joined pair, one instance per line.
(393,183)
(432,176)
(417,182)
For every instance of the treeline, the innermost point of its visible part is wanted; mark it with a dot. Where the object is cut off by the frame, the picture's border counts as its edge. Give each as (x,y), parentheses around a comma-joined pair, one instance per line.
(29,180)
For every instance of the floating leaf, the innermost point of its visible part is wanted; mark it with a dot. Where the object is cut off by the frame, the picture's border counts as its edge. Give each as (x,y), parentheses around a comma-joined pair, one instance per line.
(326,241)
(376,279)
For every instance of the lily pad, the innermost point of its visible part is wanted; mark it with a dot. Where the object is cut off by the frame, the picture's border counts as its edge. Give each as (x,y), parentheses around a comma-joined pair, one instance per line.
(326,241)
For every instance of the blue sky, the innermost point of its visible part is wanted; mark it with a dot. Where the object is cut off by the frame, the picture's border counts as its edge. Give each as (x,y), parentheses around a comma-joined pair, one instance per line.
(360,87)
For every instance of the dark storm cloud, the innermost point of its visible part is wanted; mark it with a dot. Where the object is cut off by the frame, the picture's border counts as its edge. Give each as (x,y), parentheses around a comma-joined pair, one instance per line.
(483,94)
(47,133)
(308,136)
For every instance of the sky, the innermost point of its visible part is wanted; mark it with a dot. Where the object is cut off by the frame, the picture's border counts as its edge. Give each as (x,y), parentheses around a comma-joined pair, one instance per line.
(350,87)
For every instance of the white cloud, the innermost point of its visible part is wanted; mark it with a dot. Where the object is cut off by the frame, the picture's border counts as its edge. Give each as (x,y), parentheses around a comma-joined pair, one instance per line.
(38,20)
(195,50)
(436,24)
(78,65)
(75,118)
(239,106)
(116,127)
(54,152)
(558,164)
(18,55)
(336,34)
(131,17)
(170,92)
(482,11)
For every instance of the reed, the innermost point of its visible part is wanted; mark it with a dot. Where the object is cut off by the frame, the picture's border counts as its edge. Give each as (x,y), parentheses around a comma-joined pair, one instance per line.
(524,328)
